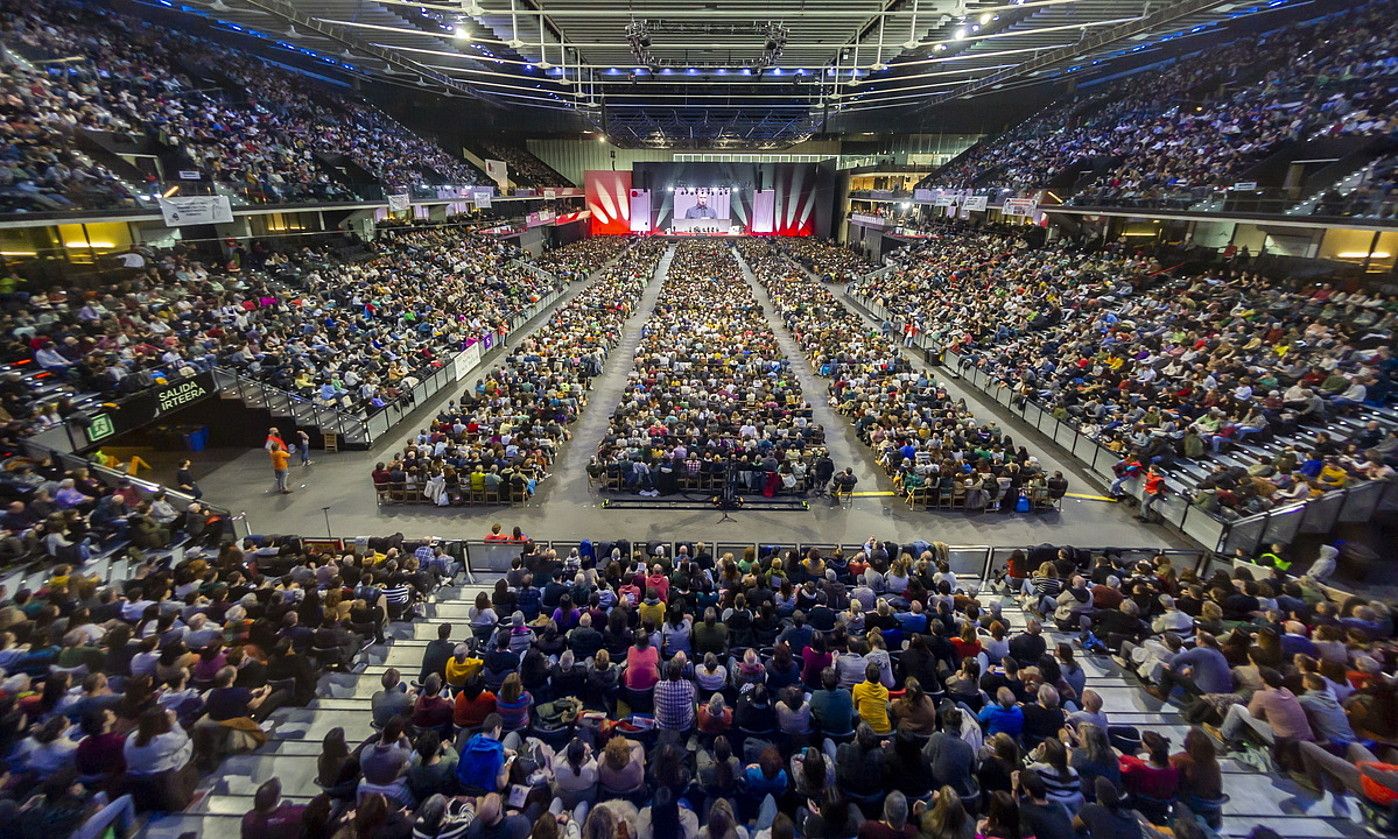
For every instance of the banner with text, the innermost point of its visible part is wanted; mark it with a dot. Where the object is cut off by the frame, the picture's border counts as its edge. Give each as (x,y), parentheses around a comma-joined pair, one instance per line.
(975,203)
(465,361)
(399,203)
(1019,207)
(481,197)
(196,209)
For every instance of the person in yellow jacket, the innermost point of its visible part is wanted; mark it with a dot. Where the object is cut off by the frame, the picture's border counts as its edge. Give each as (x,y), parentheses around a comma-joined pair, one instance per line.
(871,701)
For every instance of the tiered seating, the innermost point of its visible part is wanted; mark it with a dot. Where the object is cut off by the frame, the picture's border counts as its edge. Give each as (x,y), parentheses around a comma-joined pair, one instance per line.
(1325,78)
(737,654)
(710,387)
(378,323)
(1124,351)
(76,516)
(131,80)
(497,442)
(936,452)
(524,168)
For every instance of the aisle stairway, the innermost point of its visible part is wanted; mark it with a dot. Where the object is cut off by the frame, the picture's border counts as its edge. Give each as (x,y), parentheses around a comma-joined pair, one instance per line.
(343,700)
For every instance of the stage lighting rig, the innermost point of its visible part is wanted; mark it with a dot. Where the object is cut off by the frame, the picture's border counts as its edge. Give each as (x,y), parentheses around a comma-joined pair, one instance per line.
(770,39)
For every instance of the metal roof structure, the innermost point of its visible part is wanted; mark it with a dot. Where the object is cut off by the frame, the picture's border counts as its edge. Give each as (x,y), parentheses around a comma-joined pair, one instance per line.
(717,73)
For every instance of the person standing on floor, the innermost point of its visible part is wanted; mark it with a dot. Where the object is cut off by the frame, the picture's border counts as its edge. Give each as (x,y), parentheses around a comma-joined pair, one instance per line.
(303,444)
(281,459)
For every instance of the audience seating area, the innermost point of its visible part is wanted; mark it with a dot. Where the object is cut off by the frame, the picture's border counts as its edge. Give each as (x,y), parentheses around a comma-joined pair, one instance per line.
(937,454)
(1175,135)
(326,688)
(354,334)
(275,140)
(524,168)
(710,393)
(499,440)
(1247,392)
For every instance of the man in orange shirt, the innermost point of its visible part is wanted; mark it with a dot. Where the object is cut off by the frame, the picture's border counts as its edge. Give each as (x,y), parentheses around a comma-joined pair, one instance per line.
(281,459)
(1155,494)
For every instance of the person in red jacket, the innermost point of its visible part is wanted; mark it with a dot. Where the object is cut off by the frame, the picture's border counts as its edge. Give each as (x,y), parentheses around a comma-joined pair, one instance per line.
(1155,494)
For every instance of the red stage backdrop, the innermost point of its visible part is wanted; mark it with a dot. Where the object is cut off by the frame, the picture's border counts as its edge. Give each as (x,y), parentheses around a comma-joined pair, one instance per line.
(609,199)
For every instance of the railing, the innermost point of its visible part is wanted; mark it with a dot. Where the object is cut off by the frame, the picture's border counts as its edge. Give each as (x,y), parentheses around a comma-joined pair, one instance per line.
(1318,515)
(1359,503)
(109,569)
(359,427)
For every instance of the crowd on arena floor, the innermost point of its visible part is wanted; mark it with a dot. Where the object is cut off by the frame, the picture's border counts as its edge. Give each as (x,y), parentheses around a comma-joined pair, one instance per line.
(1161,366)
(832,264)
(711,391)
(349,334)
(1199,124)
(922,437)
(577,260)
(131,80)
(501,437)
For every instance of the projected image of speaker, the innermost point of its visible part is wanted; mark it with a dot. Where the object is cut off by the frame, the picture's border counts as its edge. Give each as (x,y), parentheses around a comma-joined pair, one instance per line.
(701,208)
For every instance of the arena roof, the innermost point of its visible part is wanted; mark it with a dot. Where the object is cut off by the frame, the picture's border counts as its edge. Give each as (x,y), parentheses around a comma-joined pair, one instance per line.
(717,73)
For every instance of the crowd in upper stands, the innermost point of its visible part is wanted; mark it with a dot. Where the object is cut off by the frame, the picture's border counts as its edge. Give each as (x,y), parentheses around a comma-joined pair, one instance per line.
(1197,125)
(922,437)
(1160,365)
(354,333)
(501,437)
(711,387)
(271,141)
(524,168)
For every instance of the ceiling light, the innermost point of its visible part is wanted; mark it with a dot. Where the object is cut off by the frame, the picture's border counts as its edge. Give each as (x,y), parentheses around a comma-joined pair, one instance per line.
(960,33)
(602,138)
(462,34)
(985,18)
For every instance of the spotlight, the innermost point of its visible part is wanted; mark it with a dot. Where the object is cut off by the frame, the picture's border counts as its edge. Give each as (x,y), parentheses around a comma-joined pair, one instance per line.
(601,138)
(960,33)
(462,34)
(985,18)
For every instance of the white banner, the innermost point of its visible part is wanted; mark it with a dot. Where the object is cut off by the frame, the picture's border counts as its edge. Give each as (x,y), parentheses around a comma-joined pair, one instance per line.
(764,203)
(498,171)
(196,209)
(942,201)
(481,197)
(399,203)
(1019,207)
(923,195)
(465,360)
(975,203)
(640,211)
(550,193)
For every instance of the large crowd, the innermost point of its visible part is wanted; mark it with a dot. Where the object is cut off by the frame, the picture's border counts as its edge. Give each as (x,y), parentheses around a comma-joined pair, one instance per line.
(1164,367)
(1195,127)
(832,264)
(353,333)
(270,143)
(711,394)
(928,442)
(523,167)
(631,691)
(501,437)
